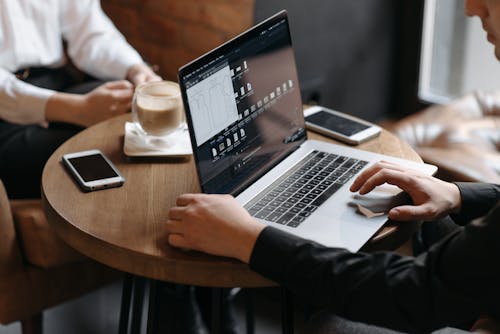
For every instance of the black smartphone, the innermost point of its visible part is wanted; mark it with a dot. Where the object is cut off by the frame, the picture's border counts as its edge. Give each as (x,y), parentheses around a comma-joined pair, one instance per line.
(92,170)
(339,126)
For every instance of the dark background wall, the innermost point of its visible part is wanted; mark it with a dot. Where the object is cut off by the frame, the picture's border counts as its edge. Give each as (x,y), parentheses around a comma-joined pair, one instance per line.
(354,56)
(357,56)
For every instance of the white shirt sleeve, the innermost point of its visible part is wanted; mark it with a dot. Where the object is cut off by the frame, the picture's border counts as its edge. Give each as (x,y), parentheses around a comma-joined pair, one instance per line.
(94,43)
(17,95)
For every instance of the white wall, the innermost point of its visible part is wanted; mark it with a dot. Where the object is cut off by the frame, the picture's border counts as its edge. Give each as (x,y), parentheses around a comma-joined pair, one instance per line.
(456,57)
(481,68)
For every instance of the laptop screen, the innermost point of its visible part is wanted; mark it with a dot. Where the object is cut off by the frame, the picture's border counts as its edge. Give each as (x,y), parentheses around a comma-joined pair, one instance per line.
(243,107)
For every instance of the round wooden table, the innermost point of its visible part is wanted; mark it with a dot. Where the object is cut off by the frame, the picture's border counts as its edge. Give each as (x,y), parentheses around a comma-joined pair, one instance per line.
(124,227)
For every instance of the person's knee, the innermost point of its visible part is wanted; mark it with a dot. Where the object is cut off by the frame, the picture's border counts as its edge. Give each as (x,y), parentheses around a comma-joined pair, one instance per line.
(24,153)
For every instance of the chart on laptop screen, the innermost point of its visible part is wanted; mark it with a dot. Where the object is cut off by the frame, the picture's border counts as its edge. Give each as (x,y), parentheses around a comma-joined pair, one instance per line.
(212,103)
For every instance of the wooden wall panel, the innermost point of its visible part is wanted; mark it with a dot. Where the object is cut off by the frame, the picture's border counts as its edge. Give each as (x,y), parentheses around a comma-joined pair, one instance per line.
(170,33)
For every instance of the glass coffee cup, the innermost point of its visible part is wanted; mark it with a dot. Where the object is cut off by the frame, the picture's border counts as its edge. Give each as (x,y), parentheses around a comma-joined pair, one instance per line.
(157,108)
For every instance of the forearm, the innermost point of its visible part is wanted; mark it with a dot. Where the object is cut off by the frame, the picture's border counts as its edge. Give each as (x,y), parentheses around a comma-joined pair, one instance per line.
(66,108)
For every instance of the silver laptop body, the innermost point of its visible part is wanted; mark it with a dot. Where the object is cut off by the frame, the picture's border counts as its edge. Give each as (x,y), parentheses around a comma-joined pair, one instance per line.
(244,112)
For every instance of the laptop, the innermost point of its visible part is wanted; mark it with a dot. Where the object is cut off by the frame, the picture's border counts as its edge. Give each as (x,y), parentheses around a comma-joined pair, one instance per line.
(244,112)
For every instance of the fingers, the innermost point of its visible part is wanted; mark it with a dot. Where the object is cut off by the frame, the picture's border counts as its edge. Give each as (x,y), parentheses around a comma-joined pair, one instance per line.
(411,213)
(122,95)
(139,79)
(119,95)
(174,226)
(175,234)
(369,172)
(394,177)
(186,199)
(177,240)
(122,99)
(176,213)
(120,88)
(120,84)
(120,107)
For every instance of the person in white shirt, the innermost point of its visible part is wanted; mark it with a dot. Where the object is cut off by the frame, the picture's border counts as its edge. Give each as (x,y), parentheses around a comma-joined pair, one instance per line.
(40,95)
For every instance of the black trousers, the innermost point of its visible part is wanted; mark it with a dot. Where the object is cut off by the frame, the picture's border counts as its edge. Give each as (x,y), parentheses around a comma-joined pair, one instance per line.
(24,149)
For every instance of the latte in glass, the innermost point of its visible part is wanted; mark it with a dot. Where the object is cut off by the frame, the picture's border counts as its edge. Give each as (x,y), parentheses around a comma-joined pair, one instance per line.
(157,108)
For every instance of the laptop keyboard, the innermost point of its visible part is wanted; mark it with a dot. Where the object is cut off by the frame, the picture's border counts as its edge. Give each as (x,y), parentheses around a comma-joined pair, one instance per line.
(301,190)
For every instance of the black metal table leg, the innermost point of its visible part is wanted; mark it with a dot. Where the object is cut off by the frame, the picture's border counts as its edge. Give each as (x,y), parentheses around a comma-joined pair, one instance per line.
(125,304)
(152,324)
(249,311)
(286,311)
(137,304)
(216,310)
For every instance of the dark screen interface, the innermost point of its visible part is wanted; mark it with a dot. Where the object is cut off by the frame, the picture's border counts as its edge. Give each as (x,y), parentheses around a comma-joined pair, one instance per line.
(335,123)
(92,167)
(245,108)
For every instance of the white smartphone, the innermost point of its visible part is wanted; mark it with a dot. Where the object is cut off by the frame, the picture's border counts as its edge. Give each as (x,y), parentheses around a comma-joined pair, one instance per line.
(92,170)
(337,125)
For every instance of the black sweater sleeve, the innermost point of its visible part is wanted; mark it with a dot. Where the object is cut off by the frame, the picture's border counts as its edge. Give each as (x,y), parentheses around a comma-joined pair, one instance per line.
(450,285)
(477,200)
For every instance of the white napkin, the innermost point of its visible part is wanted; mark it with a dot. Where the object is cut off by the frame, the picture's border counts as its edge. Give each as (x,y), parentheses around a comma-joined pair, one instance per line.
(176,144)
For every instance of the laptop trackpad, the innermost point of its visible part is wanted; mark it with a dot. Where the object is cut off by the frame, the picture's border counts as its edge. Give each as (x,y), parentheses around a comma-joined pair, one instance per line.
(350,228)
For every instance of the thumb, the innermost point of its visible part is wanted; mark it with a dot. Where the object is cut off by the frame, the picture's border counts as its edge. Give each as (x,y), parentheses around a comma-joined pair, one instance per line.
(139,79)
(408,213)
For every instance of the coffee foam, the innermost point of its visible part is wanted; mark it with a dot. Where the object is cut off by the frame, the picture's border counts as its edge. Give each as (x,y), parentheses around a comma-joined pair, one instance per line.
(158,97)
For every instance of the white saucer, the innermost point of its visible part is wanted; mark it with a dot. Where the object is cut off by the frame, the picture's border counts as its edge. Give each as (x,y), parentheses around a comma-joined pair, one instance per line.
(175,145)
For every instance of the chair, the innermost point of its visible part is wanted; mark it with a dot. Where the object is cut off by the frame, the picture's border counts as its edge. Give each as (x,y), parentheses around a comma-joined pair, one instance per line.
(37,269)
(461,138)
